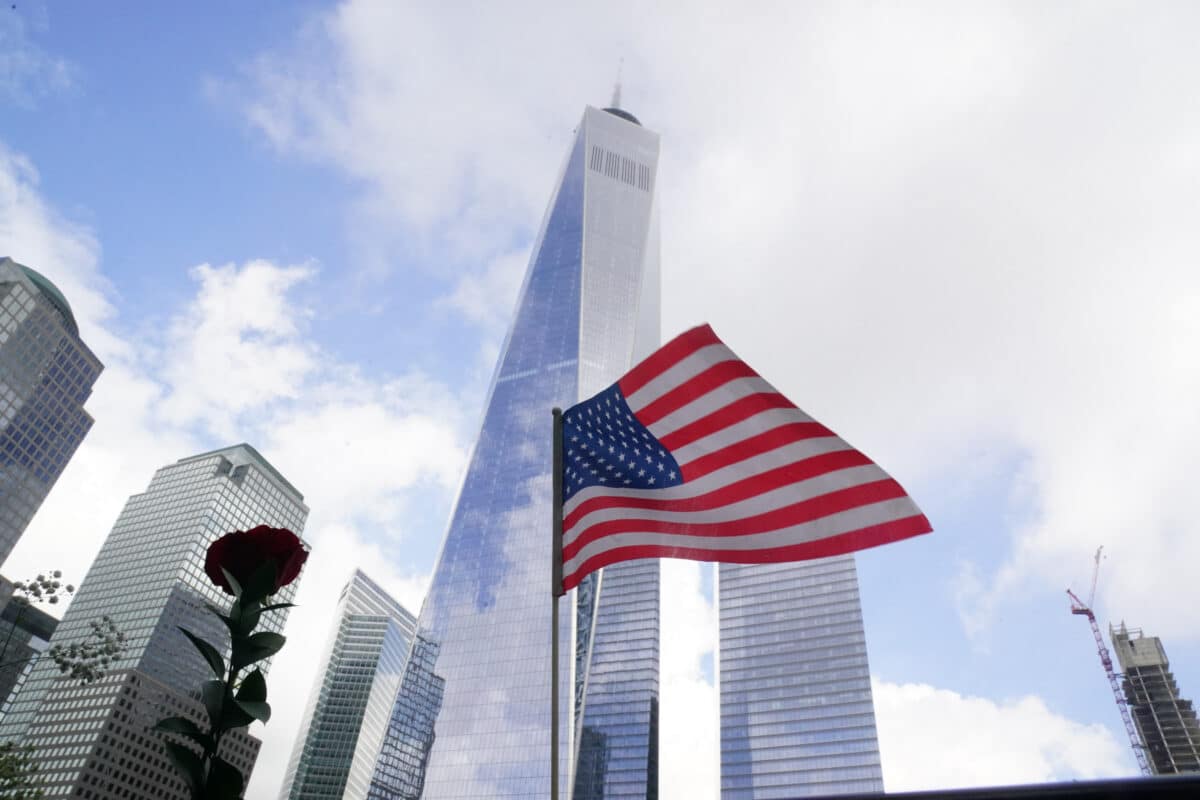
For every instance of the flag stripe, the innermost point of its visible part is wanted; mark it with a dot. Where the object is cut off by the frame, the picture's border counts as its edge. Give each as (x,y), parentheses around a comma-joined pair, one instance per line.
(746,502)
(705,403)
(805,511)
(763,421)
(749,447)
(693,364)
(773,459)
(738,410)
(840,544)
(699,385)
(730,493)
(666,356)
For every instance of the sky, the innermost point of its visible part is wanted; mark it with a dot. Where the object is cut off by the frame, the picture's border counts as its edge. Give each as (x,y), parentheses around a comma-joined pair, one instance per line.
(960,234)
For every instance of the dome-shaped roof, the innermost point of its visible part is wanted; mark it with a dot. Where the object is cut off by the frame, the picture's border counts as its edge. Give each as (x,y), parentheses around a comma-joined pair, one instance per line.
(51,293)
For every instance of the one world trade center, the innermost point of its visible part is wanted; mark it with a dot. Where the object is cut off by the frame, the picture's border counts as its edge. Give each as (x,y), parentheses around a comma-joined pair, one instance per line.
(472,715)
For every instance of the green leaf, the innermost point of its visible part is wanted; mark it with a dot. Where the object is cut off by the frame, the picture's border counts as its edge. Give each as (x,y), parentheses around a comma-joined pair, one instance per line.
(213,694)
(247,612)
(250,650)
(224,781)
(188,763)
(184,727)
(208,651)
(277,606)
(259,711)
(234,716)
(253,688)
(233,582)
(252,696)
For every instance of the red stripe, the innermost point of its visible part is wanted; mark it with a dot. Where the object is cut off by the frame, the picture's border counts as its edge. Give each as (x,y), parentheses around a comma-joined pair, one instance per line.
(744,489)
(696,386)
(841,544)
(735,412)
(749,447)
(773,520)
(666,357)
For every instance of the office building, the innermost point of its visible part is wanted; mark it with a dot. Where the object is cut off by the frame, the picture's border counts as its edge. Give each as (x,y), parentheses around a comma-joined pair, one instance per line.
(1165,721)
(352,697)
(46,375)
(472,718)
(797,717)
(96,741)
(25,632)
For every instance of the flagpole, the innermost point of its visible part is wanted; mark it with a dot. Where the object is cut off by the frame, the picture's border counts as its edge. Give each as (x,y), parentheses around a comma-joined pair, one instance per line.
(555,592)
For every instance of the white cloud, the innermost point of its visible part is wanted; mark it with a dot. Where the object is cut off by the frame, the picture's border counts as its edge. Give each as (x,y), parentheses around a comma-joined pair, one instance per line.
(237,346)
(27,71)
(935,738)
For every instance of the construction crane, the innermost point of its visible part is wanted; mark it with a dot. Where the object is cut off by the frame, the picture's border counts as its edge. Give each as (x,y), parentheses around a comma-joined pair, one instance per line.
(1085,609)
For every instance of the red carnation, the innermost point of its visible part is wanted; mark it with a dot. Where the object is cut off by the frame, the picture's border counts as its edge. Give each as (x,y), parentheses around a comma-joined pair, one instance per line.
(241,553)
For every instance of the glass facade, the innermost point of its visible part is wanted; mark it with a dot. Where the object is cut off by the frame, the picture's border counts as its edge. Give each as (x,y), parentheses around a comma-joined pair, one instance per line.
(46,374)
(149,578)
(797,718)
(25,631)
(351,701)
(472,717)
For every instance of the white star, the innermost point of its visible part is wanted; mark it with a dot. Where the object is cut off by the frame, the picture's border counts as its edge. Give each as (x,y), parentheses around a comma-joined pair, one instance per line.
(627,481)
(660,466)
(671,474)
(652,481)
(641,473)
(612,449)
(621,457)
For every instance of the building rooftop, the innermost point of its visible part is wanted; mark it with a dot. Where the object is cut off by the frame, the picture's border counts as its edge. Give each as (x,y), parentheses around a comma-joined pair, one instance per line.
(49,291)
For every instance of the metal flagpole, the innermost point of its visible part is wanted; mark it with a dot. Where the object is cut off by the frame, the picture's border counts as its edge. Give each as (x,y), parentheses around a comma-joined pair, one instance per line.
(555,593)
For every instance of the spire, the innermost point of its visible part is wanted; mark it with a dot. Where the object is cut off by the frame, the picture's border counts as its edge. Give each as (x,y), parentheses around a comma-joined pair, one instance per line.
(616,98)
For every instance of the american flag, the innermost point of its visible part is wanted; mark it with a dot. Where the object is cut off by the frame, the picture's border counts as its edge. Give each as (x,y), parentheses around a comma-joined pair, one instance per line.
(693,455)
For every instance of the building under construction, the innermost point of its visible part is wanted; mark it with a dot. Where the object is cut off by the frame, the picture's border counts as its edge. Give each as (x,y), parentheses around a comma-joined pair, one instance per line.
(1166,722)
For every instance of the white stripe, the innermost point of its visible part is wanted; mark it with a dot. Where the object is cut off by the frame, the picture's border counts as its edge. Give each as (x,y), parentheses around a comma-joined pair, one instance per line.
(752,506)
(709,402)
(796,451)
(684,370)
(761,422)
(833,525)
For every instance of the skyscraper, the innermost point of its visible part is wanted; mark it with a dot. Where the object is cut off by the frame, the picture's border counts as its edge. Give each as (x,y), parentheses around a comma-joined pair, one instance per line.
(472,718)
(25,632)
(46,374)
(352,697)
(797,716)
(1165,721)
(97,741)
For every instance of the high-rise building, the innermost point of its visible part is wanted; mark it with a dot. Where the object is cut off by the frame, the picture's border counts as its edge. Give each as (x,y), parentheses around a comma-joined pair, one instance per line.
(352,697)
(97,741)
(472,718)
(797,716)
(1165,721)
(46,374)
(25,632)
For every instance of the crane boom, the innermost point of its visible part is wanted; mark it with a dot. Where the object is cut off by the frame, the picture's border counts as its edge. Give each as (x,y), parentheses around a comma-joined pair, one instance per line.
(1085,609)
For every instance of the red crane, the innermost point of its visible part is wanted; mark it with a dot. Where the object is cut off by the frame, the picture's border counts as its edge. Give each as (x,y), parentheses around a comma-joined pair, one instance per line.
(1085,609)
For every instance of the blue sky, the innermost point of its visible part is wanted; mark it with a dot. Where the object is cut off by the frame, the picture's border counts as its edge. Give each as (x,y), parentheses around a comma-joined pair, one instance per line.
(960,234)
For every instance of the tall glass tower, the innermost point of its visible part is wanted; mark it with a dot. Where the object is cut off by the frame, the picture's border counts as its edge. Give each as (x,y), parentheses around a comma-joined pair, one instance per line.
(472,717)
(98,741)
(797,717)
(46,374)
(352,698)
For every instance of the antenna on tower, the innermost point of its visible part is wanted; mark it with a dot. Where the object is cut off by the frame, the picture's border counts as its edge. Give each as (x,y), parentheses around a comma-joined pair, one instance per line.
(616,98)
